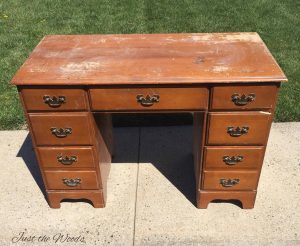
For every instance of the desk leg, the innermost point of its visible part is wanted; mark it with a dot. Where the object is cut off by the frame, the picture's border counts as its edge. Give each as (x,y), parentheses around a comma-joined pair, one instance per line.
(95,197)
(247,198)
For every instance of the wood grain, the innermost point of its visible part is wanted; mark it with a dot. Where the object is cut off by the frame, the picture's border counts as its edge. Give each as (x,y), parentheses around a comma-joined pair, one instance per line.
(149,59)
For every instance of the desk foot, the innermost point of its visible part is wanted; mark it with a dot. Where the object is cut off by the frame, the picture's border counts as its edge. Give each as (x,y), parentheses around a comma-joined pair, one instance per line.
(247,198)
(95,197)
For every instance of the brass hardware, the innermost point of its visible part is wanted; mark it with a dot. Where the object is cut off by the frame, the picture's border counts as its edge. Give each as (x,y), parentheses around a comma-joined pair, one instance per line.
(148,100)
(54,102)
(233,160)
(241,100)
(72,182)
(237,132)
(229,182)
(66,160)
(61,132)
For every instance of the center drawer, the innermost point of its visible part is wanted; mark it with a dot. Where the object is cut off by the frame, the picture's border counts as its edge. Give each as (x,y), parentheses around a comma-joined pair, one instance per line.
(144,99)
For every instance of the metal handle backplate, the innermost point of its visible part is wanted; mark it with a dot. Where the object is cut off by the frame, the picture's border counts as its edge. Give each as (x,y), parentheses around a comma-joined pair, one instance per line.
(229,182)
(72,182)
(61,132)
(54,102)
(232,160)
(237,132)
(241,100)
(67,160)
(148,100)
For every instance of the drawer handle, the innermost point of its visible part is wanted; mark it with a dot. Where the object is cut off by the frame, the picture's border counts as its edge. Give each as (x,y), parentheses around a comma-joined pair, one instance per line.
(148,100)
(237,132)
(229,182)
(243,99)
(61,132)
(54,102)
(67,160)
(72,182)
(233,160)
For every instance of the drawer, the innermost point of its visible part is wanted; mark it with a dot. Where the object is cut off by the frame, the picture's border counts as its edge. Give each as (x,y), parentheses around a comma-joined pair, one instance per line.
(243,97)
(45,99)
(230,180)
(66,157)
(244,128)
(61,128)
(233,157)
(111,99)
(65,180)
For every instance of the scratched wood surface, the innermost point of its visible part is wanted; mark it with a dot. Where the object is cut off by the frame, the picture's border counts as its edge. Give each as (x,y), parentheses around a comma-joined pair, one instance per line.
(149,59)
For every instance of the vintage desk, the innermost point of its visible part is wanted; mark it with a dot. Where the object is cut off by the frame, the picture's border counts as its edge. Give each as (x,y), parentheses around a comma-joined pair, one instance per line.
(71,84)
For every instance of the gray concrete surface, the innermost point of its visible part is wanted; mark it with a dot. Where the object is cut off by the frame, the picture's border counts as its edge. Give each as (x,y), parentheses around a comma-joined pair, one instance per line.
(151,198)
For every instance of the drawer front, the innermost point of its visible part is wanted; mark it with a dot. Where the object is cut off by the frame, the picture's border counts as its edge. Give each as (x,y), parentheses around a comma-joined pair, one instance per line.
(233,157)
(110,99)
(233,180)
(66,180)
(243,97)
(238,128)
(61,128)
(66,157)
(54,99)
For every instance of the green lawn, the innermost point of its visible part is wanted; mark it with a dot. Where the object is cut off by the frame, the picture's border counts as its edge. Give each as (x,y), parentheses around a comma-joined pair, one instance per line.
(24,22)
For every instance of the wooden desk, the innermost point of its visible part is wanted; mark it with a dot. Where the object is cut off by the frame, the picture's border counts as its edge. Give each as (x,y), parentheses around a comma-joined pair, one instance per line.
(228,80)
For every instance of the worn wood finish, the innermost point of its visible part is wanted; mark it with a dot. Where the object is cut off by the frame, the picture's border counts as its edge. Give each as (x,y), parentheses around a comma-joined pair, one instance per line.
(252,157)
(247,198)
(49,157)
(247,180)
(75,99)
(265,97)
(96,75)
(258,123)
(78,122)
(55,180)
(116,99)
(149,59)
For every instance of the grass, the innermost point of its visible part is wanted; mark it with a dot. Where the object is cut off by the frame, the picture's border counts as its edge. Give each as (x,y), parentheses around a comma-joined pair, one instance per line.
(24,22)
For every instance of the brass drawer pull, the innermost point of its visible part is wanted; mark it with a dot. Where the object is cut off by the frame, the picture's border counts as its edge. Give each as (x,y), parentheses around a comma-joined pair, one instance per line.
(72,182)
(61,132)
(229,182)
(67,160)
(237,132)
(233,160)
(148,100)
(54,102)
(241,100)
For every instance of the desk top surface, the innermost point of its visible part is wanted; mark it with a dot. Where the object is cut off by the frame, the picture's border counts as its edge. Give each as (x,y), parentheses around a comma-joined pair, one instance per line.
(190,58)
